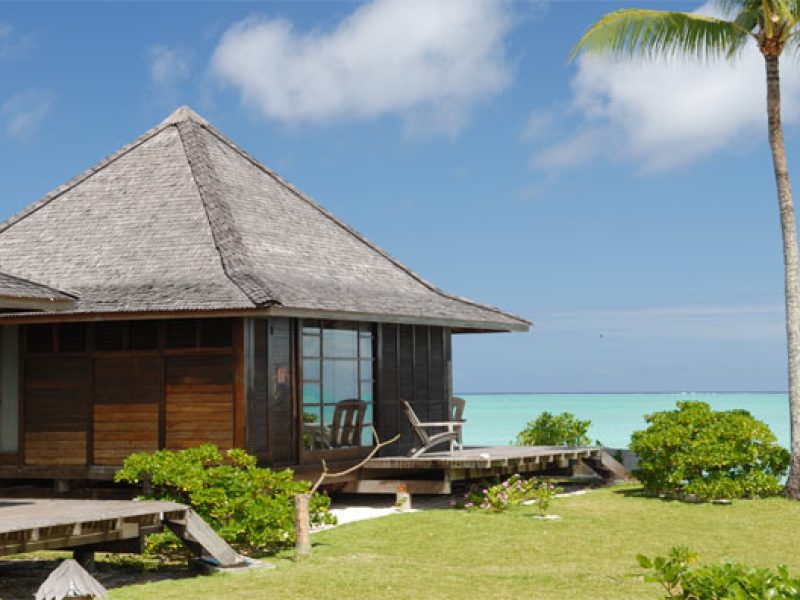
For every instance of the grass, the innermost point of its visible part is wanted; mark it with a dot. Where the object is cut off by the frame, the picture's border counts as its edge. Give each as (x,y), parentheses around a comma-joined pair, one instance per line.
(590,553)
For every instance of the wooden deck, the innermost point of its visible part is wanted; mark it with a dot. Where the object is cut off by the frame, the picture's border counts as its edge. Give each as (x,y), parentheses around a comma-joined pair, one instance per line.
(433,472)
(29,524)
(485,457)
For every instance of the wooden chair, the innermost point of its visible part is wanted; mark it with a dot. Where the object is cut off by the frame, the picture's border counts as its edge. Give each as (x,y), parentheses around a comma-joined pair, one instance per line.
(457,406)
(430,440)
(348,421)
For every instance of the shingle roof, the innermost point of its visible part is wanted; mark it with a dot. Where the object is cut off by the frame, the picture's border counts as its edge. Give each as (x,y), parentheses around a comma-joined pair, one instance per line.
(21,294)
(183,219)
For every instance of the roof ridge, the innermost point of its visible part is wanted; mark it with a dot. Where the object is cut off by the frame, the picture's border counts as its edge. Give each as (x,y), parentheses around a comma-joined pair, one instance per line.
(78,179)
(226,238)
(302,196)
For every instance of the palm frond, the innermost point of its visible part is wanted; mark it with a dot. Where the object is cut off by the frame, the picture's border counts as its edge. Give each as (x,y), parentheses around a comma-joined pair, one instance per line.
(750,19)
(793,44)
(783,10)
(731,8)
(650,33)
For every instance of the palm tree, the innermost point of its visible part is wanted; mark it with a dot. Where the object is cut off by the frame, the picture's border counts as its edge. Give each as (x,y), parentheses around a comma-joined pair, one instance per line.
(772,25)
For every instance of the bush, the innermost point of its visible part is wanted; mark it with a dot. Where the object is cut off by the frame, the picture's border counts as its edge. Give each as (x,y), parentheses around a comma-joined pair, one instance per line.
(511,492)
(710,454)
(250,507)
(543,493)
(680,579)
(555,430)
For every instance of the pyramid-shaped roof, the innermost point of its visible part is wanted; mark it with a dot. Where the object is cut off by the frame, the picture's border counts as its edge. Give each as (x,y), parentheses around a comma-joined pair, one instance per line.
(184,220)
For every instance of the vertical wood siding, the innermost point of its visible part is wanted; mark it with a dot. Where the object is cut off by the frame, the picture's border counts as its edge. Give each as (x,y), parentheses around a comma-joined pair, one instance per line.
(413,365)
(281,415)
(255,366)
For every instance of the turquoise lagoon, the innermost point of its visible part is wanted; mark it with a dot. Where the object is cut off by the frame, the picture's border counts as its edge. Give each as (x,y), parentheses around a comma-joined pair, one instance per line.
(495,419)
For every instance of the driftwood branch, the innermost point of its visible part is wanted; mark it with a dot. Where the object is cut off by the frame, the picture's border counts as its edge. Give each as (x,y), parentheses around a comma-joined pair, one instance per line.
(302,524)
(377,448)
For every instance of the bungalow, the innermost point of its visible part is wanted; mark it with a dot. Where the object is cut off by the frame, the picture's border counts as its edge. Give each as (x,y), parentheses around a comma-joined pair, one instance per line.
(179,292)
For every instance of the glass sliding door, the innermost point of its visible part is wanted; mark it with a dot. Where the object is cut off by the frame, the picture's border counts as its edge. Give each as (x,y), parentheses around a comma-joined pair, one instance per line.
(337,385)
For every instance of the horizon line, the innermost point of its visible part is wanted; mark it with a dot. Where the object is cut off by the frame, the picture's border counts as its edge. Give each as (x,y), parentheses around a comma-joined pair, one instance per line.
(496,393)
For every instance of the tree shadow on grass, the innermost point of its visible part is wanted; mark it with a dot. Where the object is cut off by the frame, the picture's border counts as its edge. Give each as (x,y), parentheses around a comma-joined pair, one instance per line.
(21,577)
(639,492)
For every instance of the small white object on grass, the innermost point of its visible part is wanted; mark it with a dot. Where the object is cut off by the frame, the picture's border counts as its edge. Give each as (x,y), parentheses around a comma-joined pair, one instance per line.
(70,580)
(403,499)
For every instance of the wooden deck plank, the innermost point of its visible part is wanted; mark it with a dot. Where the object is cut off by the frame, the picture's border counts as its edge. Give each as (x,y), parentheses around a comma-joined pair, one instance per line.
(483,457)
(21,514)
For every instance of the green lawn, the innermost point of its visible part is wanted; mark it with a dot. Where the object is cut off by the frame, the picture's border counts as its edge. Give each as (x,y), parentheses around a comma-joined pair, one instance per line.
(590,553)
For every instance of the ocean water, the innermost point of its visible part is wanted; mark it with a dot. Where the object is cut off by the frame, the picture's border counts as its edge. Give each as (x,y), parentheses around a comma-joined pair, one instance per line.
(495,419)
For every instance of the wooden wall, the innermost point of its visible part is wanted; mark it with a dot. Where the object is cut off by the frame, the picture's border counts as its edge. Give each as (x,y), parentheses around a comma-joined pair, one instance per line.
(56,412)
(413,365)
(126,405)
(255,352)
(271,411)
(95,393)
(91,396)
(199,401)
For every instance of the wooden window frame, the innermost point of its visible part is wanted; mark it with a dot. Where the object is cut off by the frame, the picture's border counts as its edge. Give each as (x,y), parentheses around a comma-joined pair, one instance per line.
(315,455)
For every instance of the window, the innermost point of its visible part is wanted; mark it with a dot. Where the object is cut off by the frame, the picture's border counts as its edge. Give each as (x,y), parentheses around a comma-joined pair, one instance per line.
(40,338)
(338,367)
(216,333)
(199,333)
(72,337)
(109,336)
(47,338)
(181,333)
(143,335)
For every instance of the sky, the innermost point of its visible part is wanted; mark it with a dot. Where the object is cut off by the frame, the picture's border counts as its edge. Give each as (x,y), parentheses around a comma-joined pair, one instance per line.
(627,208)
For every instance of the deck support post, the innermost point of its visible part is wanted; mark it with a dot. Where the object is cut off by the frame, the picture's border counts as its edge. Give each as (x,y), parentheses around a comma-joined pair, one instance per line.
(302,526)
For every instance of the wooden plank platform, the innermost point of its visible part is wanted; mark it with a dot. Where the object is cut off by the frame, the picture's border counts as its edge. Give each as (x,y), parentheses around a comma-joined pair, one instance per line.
(31,524)
(434,472)
(485,457)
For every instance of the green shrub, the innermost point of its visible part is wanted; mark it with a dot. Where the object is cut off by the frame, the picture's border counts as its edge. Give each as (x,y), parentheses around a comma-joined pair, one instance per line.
(511,492)
(250,507)
(710,454)
(555,430)
(735,581)
(543,493)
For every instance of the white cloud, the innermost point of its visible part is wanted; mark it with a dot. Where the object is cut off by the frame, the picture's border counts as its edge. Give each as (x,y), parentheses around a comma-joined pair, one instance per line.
(428,62)
(539,125)
(168,66)
(734,323)
(11,43)
(665,113)
(24,112)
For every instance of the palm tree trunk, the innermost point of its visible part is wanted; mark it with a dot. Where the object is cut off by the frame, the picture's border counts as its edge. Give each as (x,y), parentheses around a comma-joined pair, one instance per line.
(790,263)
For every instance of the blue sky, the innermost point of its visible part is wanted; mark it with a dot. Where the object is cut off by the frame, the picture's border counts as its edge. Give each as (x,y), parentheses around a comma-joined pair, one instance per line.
(628,209)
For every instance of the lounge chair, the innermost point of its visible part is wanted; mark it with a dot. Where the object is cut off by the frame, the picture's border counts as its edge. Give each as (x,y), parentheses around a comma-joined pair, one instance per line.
(348,421)
(457,405)
(428,440)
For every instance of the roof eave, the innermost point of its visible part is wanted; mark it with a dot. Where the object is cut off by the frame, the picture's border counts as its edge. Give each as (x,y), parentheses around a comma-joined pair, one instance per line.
(457,325)
(36,304)
(463,325)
